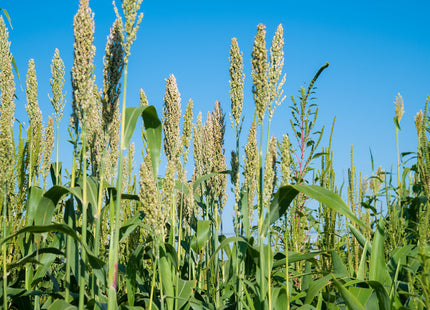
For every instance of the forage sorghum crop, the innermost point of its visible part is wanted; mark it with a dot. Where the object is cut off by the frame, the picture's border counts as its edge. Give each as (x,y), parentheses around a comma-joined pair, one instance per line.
(7,109)
(171,118)
(129,9)
(112,71)
(57,83)
(143,99)
(82,70)
(187,130)
(276,63)
(270,172)
(48,146)
(237,79)
(285,160)
(35,116)
(398,105)
(259,73)
(251,165)
(155,213)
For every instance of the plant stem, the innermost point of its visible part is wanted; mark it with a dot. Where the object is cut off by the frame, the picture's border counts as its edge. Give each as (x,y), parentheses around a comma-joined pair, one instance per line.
(113,250)
(84,221)
(4,248)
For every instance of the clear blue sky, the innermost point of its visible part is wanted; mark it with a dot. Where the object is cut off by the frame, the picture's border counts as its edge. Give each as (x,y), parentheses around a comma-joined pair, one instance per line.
(375,49)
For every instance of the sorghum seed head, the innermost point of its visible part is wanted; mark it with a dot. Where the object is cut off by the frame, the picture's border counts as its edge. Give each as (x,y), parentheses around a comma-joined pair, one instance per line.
(259,72)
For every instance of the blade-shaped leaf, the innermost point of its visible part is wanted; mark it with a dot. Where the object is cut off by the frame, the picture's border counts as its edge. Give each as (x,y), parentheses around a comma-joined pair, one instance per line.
(377,266)
(152,125)
(350,300)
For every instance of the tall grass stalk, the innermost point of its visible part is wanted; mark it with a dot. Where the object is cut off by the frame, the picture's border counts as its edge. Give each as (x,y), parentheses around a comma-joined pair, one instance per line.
(4,246)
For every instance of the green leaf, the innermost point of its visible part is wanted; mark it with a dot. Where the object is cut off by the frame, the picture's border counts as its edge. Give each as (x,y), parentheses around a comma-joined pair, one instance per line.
(131,271)
(47,204)
(32,202)
(61,304)
(130,225)
(131,116)
(362,267)
(350,300)
(381,293)
(294,257)
(63,228)
(201,239)
(166,278)
(184,290)
(338,266)
(362,294)
(329,199)
(7,16)
(29,257)
(360,238)
(223,244)
(205,177)
(315,287)
(279,205)
(152,125)
(377,266)
(279,297)
(396,122)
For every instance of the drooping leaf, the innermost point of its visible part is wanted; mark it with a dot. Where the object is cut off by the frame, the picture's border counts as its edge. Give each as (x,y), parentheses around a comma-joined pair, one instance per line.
(330,199)
(350,300)
(184,291)
(360,238)
(94,261)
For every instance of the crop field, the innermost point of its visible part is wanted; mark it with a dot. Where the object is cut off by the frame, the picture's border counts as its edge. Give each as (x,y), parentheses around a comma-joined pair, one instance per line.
(125,224)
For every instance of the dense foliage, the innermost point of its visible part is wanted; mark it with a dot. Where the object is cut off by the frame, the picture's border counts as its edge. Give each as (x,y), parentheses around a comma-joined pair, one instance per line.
(100,237)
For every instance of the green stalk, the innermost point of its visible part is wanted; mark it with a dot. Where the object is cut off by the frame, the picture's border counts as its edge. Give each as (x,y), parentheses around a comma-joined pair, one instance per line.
(84,221)
(57,166)
(98,219)
(113,250)
(151,296)
(260,219)
(70,240)
(28,268)
(287,276)
(4,249)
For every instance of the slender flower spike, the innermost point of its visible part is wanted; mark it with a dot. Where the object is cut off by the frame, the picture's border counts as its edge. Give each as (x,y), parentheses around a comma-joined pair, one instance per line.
(237,78)
(113,66)
(130,9)
(82,71)
(171,118)
(7,108)
(143,99)
(187,130)
(419,122)
(251,164)
(48,146)
(32,106)
(259,73)
(270,172)
(57,83)
(398,105)
(285,160)
(276,63)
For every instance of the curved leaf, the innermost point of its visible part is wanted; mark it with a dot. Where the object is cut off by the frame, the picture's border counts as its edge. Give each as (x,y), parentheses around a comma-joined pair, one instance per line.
(329,199)
(350,300)
(65,229)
